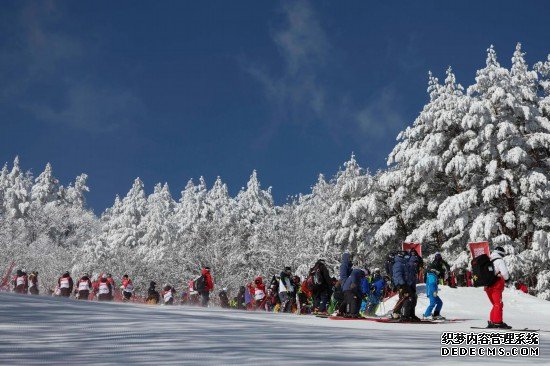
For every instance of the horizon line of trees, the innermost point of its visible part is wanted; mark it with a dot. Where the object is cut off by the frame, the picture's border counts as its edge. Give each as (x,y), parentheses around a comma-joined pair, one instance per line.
(473,166)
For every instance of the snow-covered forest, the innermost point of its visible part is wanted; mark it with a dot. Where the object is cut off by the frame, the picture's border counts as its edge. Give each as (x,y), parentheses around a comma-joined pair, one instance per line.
(473,166)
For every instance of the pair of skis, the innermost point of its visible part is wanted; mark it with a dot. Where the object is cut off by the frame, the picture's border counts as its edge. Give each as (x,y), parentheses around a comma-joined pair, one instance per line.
(389,320)
(510,330)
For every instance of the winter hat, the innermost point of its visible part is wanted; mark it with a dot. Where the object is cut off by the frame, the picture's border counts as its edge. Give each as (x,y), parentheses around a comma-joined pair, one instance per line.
(500,250)
(104,276)
(377,270)
(66,273)
(152,284)
(19,272)
(288,269)
(438,255)
(224,289)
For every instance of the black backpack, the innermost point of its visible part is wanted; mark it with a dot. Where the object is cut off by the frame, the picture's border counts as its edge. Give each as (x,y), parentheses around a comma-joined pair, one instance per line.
(199,284)
(483,271)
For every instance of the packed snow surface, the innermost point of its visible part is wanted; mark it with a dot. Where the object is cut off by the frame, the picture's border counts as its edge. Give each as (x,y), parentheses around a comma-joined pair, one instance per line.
(48,330)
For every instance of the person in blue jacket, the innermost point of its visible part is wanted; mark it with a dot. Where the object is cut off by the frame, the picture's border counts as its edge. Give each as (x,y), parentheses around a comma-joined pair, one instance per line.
(432,292)
(365,290)
(376,292)
(345,267)
(399,269)
(353,294)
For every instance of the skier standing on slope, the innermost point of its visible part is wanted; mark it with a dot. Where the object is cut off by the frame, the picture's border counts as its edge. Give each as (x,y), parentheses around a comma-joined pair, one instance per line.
(224,299)
(65,284)
(168,294)
(20,282)
(376,294)
(414,263)
(494,292)
(353,294)
(33,283)
(105,289)
(153,296)
(441,266)
(83,287)
(432,293)
(127,288)
(257,290)
(321,286)
(286,289)
(399,282)
(205,285)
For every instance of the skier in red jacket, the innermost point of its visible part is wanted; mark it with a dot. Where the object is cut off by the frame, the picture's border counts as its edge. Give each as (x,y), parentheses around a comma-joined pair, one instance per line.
(20,282)
(127,288)
(83,287)
(205,289)
(65,284)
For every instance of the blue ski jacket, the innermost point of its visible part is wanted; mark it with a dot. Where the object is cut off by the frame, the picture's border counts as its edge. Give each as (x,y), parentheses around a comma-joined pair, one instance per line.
(411,276)
(431,283)
(345,267)
(353,282)
(398,271)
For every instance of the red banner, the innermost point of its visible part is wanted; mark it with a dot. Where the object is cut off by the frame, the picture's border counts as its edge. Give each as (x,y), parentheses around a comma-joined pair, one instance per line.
(416,246)
(479,248)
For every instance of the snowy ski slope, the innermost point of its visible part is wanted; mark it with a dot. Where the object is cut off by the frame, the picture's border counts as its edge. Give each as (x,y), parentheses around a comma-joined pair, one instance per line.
(47,330)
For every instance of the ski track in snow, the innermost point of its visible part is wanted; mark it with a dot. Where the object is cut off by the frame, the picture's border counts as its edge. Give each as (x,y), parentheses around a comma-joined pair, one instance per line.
(48,330)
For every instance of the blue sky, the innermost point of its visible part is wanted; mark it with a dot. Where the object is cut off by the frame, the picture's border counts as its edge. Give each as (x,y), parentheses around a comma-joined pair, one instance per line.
(173,90)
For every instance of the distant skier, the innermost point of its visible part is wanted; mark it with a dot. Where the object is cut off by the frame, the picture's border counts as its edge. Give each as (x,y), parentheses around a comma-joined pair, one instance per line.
(224,299)
(20,282)
(127,288)
(432,292)
(258,292)
(83,287)
(494,292)
(240,298)
(286,290)
(33,283)
(153,296)
(168,293)
(105,289)
(204,285)
(65,283)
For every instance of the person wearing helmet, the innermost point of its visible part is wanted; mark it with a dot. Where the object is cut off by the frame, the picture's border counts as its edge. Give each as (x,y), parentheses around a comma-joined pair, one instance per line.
(494,292)
(65,284)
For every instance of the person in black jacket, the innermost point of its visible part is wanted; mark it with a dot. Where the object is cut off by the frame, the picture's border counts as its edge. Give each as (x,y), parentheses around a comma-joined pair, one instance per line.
(240,299)
(224,299)
(321,286)
(153,296)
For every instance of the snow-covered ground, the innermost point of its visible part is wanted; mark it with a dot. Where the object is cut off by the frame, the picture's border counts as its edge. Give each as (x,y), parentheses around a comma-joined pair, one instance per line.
(47,330)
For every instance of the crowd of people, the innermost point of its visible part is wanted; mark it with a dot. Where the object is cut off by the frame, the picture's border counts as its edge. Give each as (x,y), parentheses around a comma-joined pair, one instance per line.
(357,292)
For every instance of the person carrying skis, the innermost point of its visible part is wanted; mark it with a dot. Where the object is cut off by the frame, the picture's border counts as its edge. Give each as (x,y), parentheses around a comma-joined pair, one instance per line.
(494,292)
(320,279)
(127,288)
(20,282)
(65,283)
(105,289)
(153,296)
(286,289)
(432,292)
(33,283)
(83,287)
